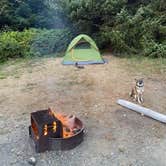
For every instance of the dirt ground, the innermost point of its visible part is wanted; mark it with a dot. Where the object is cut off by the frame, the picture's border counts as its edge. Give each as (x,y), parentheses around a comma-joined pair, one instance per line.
(115,136)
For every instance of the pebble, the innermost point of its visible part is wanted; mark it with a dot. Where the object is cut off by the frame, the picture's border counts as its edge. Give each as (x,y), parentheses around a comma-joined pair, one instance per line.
(1,116)
(12,150)
(96,106)
(17,126)
(32,161)
(18,153)
(121,149)
(72,153)
(112,153)
(124,115)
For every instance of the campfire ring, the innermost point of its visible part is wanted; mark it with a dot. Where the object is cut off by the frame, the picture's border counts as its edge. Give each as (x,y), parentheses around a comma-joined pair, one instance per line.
(49,133)
(67,143)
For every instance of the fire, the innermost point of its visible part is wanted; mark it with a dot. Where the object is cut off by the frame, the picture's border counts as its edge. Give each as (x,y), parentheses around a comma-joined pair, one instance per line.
(46,127)
(35,130)
(68,123)
(45,130)
(54,127)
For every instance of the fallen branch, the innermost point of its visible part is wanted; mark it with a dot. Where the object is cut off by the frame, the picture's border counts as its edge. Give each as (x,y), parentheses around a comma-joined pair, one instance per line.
(142,110)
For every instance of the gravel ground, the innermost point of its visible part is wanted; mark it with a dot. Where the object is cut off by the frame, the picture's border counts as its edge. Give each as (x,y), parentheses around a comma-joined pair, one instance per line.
(114,135)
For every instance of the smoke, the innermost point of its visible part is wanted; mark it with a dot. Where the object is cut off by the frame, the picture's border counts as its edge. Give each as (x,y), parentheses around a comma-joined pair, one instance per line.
(59,19)
(57,36)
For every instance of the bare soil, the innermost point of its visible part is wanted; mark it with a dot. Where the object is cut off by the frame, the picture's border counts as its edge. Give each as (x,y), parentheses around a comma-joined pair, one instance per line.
(115,136)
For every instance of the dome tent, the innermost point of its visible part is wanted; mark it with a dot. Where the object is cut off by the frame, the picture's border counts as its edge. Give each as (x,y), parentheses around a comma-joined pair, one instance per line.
(82,50)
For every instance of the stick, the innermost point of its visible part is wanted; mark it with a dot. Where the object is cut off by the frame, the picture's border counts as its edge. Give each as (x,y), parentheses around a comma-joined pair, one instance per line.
(142,110)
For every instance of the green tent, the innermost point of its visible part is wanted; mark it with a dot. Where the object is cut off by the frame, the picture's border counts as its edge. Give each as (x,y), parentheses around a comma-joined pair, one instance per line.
(82,50)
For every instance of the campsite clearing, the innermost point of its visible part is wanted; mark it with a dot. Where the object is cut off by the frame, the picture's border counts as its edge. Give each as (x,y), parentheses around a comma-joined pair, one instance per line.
(115,136)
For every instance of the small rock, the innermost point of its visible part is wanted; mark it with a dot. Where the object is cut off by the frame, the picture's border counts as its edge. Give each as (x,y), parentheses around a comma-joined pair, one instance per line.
(18,153)
(1,116)
(124,115)
(96,106)
(72,153)
(12,150)
(32,161)
(17,126)
(121,149)
(86,114)
(112,153)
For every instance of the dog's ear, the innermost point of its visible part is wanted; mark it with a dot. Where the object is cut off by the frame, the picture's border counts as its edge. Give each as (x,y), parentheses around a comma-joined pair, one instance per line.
(136,79)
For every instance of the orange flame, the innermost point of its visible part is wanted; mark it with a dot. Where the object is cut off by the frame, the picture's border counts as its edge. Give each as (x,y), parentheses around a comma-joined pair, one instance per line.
(45,130)
(54,127)
(67,122)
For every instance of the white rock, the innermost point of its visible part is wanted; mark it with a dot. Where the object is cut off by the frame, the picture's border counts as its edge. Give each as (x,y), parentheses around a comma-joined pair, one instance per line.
(17,126)
(124,115)
(12,150)
(32,161)
(18,153)
(112,153)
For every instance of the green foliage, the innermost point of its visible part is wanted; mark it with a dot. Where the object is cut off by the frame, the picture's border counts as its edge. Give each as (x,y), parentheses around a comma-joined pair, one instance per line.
(15,44)
(133,26)
(33,42)
(153,49)
(20,14)
(51,41)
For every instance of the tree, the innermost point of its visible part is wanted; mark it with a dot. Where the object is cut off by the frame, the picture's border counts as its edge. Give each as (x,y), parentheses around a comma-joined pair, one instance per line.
(125,25)
(20,14)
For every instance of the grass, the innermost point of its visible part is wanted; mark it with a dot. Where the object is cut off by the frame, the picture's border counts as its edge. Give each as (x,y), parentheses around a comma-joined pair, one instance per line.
(3,76)
(14,67)
(133,63)
(146,65)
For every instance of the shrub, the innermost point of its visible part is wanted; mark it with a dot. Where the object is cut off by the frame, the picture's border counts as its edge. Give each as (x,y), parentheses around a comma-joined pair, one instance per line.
(121,25)
(155,50)
(32,42)
(14,44)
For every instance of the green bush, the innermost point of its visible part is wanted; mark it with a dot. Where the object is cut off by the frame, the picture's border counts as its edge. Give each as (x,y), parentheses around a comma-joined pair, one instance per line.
(51,41)
(121,25)
(33,42)
(14,44)
(155,50)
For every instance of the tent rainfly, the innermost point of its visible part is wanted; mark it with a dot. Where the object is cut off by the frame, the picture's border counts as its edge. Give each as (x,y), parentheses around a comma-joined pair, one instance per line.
(82,50)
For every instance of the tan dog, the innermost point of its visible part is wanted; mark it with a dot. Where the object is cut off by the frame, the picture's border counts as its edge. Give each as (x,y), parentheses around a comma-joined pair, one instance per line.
(138,90)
